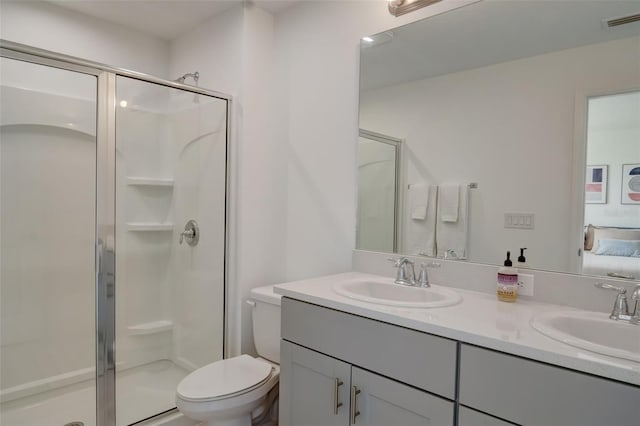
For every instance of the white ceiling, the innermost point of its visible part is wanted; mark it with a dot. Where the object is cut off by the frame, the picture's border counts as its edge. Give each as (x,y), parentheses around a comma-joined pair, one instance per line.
(166,19)
(489,32)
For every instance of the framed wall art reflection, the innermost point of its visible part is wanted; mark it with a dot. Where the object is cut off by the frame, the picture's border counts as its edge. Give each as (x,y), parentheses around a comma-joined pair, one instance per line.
(596,185)
(630,184)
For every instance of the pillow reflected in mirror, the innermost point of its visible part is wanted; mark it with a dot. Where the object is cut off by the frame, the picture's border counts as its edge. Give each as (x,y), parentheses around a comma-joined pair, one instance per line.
(612,247)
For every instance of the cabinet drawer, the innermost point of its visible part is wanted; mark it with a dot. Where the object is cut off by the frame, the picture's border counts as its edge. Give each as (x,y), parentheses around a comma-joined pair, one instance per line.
(533,393)
(422,360)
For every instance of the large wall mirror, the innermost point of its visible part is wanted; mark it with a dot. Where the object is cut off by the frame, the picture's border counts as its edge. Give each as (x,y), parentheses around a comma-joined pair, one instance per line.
(518,125)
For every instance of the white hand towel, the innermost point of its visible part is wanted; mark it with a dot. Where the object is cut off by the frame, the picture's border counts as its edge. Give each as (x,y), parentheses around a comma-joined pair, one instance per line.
(419,235)
(454,235)
(419,212)
(449,202)
(419,201)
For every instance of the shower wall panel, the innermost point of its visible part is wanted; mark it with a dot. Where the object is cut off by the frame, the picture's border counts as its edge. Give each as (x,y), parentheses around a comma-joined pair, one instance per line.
(197,285)
(47,228)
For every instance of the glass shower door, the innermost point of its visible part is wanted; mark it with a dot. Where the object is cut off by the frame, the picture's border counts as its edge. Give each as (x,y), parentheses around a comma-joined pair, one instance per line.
(378,192)
(47,245)
(170,241)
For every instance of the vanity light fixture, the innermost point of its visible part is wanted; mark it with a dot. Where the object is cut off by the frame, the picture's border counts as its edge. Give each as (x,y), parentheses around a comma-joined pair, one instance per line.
(367,39)
(616,22)
(400,7)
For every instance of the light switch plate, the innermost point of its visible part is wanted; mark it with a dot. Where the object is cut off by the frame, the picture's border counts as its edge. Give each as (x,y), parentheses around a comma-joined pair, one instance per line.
(525,284)
(519,220)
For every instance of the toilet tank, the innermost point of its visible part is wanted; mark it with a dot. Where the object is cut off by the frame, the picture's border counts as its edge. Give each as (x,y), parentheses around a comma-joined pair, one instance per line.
(266,322)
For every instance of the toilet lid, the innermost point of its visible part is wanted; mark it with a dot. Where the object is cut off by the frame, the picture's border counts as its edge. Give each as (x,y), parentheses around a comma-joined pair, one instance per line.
(225,377)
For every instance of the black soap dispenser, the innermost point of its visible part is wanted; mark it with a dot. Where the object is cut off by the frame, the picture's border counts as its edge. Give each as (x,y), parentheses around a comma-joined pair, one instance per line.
(507,289)
(522,261)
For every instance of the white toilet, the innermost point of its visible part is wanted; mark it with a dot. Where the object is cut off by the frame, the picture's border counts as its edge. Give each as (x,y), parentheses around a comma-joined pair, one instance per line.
(239,391)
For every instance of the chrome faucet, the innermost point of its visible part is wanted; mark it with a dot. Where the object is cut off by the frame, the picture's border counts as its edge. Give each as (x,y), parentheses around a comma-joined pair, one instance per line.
(406,274)
(635,296)
(620,311)
(423,278)
(450,254)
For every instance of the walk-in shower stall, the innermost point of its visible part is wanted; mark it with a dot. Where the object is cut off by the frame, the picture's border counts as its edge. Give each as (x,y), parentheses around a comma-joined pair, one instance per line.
(113,189)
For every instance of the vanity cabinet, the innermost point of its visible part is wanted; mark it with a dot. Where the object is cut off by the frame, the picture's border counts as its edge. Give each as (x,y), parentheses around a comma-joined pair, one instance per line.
(378,373)
(531,393)
(317,390)
(405,377)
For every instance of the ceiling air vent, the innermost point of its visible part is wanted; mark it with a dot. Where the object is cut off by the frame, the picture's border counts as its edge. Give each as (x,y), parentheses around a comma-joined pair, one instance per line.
(622,21)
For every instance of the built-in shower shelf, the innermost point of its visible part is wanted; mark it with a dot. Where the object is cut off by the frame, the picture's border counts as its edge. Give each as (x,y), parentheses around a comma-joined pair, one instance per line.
(150,327)
(148,181)
(149,227)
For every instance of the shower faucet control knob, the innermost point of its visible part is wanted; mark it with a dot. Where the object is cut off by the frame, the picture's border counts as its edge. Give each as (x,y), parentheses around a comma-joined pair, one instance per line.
(191,233)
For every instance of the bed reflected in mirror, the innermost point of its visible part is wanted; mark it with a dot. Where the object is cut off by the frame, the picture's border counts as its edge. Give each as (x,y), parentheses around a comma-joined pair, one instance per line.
(612,186)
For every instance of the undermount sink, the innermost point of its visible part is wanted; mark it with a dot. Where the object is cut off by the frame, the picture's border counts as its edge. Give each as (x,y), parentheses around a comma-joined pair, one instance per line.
(592,331)
(386,292)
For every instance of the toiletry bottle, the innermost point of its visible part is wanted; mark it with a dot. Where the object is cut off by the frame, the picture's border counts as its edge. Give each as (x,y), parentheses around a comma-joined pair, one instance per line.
(507,289)
(522,261)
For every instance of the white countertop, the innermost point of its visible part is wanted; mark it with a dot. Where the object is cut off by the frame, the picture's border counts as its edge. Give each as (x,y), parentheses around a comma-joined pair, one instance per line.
(480,319)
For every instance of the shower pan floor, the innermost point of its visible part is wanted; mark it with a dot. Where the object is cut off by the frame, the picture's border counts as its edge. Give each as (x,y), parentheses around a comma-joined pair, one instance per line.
(141,392)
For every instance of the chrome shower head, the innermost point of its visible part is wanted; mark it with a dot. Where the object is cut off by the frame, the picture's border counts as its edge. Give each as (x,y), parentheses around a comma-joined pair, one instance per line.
(195,76)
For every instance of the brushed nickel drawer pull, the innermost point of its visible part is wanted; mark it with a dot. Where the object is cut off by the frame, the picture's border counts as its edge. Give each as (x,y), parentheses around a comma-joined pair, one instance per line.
(336,403)
(354,404)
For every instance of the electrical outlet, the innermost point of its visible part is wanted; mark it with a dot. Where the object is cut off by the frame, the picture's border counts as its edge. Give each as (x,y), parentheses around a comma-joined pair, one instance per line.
(525,284)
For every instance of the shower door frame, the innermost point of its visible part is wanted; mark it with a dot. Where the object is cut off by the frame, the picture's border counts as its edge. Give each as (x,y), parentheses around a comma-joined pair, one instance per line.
(105,247)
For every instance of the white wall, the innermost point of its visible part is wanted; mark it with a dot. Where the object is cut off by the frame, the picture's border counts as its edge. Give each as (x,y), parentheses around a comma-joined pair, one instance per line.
(613,135)
(469,127)
(214,48)
(50,27)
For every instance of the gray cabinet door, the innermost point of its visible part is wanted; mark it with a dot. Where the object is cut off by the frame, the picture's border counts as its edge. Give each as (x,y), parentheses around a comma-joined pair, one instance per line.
(312,385)
(469,417)
(384,402)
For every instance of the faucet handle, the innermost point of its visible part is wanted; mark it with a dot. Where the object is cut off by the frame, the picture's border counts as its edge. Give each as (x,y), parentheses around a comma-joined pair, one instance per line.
(396,261)
(423,278)
(635,296)
(620,306)
(399,261)
(620,290)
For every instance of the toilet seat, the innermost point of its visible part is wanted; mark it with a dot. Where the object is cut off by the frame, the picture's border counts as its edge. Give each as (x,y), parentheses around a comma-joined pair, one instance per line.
(224,379)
